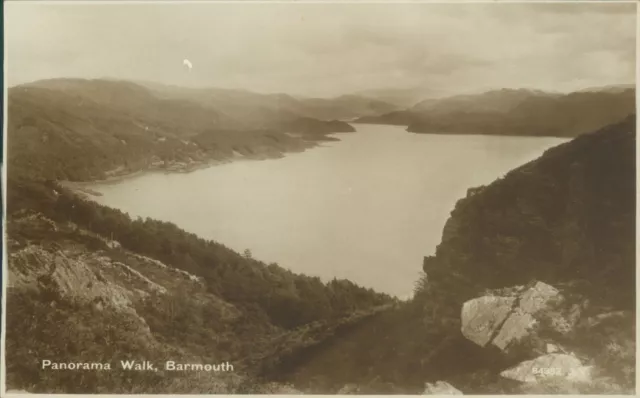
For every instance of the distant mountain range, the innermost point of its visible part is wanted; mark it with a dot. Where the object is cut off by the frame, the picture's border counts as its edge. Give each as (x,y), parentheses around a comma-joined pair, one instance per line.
(263,107)
(79,130)
(516,112)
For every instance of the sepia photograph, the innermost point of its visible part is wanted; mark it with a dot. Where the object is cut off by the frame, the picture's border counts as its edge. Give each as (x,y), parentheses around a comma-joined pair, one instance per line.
(304,197)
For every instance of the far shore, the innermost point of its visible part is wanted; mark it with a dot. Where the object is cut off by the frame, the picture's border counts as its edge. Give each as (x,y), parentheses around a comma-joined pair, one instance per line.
(84,187)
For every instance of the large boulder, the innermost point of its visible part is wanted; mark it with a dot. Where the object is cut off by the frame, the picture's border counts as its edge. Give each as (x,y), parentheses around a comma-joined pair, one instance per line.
(502,320)
(564,366)
(543,337)
(441,388)
(481,317)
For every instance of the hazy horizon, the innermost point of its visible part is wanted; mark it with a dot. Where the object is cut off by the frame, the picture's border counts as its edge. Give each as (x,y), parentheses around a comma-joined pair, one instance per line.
(327,50)
(359,93)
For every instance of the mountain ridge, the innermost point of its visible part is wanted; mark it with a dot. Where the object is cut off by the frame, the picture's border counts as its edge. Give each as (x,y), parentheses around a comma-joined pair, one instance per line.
(515,112)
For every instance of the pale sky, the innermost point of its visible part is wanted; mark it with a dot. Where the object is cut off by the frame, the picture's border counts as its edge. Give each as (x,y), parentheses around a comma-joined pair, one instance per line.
(326,49)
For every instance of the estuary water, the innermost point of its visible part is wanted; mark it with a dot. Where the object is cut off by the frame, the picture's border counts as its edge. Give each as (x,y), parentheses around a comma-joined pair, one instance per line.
(365,208)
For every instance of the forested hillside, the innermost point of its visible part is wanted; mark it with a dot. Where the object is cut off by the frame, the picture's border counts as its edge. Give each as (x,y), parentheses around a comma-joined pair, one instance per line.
(83,130)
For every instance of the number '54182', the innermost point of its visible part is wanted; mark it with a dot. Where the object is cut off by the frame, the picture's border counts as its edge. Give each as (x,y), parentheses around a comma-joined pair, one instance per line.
(547,371)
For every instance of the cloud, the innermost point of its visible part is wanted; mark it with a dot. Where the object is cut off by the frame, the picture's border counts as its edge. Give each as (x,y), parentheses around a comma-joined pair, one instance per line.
(321,49)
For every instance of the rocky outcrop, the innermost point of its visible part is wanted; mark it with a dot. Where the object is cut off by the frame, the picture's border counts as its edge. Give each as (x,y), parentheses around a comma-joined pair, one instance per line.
(72,273)
(505,320)
(552,337)
(65,274)
(540,369)
(441,388)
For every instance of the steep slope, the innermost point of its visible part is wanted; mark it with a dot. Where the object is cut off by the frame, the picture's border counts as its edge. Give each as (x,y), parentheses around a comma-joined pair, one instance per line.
(91,129)
(566,216)
(88,284)
(566,222)
(516,112)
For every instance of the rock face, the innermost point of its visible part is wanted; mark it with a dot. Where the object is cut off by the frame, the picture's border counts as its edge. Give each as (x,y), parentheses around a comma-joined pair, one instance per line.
(441,388)
(552,339)
(481,317)
(503,320)
(74,274)
(548,366)
(66,274)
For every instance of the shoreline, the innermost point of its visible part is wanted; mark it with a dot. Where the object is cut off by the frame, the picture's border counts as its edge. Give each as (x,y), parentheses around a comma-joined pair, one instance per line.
(83,188)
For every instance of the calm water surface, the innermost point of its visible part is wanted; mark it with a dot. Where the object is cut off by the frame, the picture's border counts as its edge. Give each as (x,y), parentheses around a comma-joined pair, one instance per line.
(366,208)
